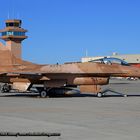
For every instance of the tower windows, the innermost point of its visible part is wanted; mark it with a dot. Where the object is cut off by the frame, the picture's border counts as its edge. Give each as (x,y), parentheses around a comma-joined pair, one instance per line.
(9,33)
(12,24)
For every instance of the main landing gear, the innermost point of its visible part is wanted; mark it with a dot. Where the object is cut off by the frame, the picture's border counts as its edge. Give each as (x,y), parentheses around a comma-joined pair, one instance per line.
(43,94)
(5,88)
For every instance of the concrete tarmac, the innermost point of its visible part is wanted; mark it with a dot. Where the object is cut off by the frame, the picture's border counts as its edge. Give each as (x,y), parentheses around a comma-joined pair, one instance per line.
(76,118)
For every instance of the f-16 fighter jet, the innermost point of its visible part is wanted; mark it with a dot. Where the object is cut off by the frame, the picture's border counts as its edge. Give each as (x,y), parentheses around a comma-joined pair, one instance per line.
(88,76)
(21,75)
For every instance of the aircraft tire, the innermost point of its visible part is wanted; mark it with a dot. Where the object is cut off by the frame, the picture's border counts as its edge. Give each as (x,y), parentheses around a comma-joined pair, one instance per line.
(5,88)
(1,89)
(124,95)
(99,94)
(43,94)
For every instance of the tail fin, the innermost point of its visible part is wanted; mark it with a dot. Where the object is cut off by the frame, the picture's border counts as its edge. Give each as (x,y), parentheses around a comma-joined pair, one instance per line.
(7,58)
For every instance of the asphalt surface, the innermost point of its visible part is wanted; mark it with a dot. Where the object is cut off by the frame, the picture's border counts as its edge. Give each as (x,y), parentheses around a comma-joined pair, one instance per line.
(76,118)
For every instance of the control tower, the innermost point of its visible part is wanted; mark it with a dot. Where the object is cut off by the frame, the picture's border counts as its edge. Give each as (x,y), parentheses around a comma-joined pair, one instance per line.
(13,34)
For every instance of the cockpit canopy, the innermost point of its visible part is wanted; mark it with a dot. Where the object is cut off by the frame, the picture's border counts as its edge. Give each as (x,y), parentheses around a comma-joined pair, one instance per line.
(110,60)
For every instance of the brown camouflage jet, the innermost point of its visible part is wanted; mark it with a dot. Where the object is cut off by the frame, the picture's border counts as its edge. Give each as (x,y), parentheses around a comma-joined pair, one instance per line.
(21,75)
(88,76)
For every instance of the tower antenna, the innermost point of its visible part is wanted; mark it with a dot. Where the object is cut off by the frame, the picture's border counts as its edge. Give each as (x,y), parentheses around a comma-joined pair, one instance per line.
(86,53)
(18,15)
(8,16)
(13,9)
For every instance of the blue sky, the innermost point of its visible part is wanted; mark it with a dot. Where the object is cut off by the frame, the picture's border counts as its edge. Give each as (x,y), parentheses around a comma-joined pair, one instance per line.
(62,30)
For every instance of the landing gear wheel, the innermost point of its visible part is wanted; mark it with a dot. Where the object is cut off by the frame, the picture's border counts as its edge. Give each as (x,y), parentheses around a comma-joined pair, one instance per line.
(5,88)
(124,95)
(43,94)
(99,94)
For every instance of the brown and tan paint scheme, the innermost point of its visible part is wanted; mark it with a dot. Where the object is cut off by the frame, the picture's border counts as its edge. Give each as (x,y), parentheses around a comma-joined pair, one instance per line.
(89,76)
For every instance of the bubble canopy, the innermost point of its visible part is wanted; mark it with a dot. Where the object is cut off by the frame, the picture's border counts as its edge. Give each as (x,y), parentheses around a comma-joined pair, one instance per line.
(110,60)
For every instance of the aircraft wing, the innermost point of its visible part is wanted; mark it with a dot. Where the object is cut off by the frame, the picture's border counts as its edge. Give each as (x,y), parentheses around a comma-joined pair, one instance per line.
(60,74)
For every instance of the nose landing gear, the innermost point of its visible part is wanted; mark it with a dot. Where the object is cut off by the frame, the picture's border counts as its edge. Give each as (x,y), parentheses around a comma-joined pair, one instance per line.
(104,92)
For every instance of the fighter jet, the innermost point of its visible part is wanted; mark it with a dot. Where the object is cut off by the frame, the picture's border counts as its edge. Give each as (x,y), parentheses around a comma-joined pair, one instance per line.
(88,76)
(22,75)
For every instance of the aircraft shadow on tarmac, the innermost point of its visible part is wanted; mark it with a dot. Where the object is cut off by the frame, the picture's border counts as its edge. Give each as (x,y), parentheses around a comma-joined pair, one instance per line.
(26,95)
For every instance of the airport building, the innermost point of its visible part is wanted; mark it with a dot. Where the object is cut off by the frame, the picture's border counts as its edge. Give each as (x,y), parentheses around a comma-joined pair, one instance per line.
(133,59)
